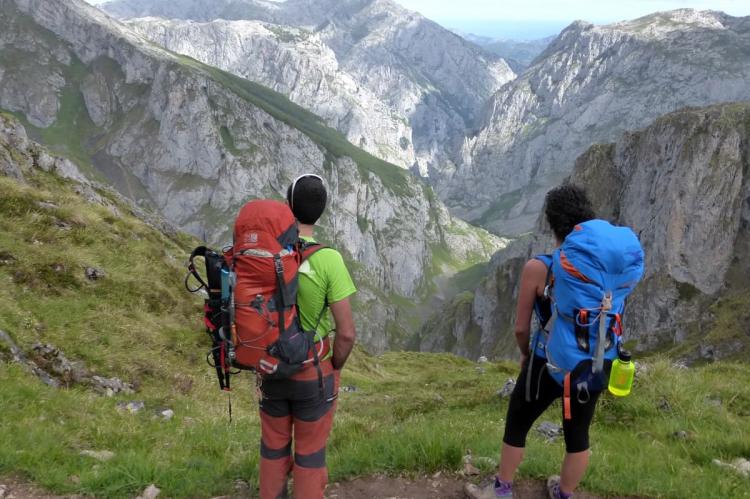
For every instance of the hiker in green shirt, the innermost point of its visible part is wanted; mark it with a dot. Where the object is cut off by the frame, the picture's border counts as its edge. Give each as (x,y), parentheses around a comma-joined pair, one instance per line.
(293,407)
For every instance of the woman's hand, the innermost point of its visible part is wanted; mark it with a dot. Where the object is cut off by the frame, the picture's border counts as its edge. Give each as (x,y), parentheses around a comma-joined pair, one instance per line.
(524,359)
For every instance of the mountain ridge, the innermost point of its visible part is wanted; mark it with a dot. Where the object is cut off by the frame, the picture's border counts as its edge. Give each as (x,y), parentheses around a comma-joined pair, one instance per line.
(590,84)
(195,143)
(412,66)
(682,184)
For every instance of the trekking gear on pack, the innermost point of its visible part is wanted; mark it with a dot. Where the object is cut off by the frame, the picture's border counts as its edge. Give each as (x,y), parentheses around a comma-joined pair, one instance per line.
(593,272)
(621,377)
(251,309)
(216,308)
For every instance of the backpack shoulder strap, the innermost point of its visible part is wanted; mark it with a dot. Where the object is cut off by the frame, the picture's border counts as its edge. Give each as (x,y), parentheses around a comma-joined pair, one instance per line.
(307,249)
(547,261)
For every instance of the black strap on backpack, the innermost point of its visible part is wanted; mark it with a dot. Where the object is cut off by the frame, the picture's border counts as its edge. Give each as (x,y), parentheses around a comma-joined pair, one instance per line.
(545,327)
(307,249)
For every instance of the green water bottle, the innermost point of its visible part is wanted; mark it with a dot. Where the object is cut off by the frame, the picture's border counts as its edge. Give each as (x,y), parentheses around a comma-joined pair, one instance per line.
(621,377)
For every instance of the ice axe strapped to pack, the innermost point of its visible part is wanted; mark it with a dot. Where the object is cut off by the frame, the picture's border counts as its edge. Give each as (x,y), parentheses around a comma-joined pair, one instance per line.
(216,309)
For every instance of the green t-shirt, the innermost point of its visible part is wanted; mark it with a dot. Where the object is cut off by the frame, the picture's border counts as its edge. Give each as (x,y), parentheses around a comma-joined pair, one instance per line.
(322,275)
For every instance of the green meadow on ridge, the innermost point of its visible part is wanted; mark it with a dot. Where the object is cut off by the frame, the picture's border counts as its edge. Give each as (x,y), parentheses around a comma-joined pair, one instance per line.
(404,413)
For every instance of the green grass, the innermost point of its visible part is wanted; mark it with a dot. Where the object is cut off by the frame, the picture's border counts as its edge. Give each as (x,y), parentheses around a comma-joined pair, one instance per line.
(228,140)
(413,413)
(470,278)
(500,207)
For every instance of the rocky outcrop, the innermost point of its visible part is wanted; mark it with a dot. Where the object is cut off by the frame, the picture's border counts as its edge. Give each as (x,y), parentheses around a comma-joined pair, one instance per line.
(392,81)
(196,143)
(54,369)
(682,184)
(589,86)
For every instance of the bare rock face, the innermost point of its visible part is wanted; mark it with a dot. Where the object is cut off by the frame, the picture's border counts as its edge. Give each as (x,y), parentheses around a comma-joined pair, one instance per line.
(12,164)
(195,144)
(298,64)
(396,84)
(682,185)
(589,86)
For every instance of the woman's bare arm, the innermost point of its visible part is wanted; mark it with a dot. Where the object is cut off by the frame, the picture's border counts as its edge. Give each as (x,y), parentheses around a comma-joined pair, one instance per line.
(533,279)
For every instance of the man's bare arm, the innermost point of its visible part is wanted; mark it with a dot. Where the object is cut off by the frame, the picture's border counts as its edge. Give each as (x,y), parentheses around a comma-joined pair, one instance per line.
(345,332)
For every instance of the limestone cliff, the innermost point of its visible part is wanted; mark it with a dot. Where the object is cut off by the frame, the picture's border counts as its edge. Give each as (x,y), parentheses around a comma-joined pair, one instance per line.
(395,83)
(195,143)
(682,184)
(591,84)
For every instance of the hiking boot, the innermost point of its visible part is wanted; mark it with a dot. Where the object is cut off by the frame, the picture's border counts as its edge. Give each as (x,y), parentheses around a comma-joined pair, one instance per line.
(475,492)
(503,489)
(553,488)
(491,491)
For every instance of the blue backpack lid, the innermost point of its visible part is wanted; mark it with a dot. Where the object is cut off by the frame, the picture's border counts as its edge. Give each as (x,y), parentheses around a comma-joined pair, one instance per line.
(595,258)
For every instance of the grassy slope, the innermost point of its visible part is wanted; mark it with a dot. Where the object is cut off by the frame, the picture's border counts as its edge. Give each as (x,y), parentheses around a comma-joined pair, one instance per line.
(410,413)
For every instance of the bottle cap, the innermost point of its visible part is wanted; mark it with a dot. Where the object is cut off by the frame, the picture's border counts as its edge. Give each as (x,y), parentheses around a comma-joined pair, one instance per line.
(624,355)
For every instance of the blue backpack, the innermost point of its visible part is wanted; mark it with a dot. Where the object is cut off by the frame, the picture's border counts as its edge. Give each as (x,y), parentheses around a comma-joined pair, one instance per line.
(594,271)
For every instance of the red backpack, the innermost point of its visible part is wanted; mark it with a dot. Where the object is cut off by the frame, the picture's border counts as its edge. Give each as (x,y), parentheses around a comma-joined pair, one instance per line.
(254,322)
(266,256)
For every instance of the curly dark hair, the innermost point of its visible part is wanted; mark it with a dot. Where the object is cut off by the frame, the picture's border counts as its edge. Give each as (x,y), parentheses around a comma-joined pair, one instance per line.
(565,207)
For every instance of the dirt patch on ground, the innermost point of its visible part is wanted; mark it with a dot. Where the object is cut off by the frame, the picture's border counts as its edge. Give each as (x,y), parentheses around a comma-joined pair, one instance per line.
(12,488)
(438,486)
(384,487)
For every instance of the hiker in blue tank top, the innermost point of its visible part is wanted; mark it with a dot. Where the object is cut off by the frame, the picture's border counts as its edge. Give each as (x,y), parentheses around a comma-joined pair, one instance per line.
(565,208)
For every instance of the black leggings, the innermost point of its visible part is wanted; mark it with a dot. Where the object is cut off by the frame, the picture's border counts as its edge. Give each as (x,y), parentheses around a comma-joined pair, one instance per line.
(544,391)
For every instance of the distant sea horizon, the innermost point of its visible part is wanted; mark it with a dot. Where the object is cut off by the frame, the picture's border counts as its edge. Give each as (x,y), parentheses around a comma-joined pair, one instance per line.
(512,30)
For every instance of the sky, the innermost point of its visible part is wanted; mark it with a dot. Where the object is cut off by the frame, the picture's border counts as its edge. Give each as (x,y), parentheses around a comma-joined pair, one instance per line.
(530,19)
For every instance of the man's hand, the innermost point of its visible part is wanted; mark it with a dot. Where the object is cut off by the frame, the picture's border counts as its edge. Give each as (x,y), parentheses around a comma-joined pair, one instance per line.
(279,370)
(345,332)
(524,359)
